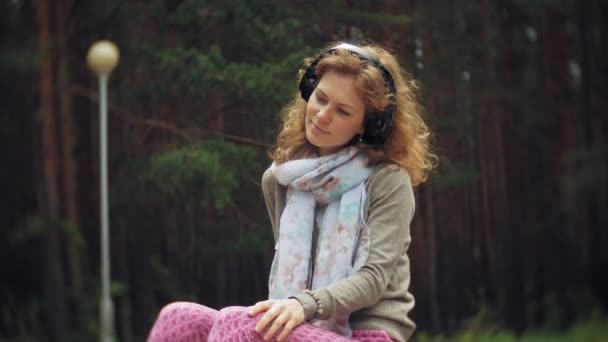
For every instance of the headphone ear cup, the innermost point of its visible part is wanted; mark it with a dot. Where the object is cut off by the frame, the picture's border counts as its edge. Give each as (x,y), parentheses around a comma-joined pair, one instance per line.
(308,83)
(370,130)
(377,127)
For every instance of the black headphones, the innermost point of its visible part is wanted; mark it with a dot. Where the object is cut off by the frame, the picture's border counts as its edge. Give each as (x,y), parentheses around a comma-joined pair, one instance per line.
(377,124)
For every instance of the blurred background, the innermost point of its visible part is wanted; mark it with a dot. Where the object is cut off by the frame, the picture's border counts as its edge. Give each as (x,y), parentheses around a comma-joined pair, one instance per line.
(510,232)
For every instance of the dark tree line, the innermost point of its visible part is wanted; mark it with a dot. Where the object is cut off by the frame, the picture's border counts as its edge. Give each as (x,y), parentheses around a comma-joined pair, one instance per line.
(509,229)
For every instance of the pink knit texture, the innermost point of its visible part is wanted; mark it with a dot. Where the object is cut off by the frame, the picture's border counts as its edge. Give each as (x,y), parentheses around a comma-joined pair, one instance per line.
(190,322)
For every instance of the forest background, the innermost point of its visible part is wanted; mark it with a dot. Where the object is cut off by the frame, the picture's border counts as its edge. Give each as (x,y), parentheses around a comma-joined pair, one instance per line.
(510,230)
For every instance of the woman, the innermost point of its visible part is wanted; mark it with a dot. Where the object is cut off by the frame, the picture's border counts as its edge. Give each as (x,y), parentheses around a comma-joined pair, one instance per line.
(339,195)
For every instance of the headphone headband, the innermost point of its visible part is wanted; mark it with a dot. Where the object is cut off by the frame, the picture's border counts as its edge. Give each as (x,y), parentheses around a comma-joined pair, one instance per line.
(357,50)
(377,124)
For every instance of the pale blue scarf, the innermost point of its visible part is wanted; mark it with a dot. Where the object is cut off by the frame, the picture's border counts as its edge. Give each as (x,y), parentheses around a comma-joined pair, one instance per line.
(338,181)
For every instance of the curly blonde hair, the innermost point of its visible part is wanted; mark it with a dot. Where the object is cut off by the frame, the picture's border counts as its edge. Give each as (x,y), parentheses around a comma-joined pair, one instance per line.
(407,143)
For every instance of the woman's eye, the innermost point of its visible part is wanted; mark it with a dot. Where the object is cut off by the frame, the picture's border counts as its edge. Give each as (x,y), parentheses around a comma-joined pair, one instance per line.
(343,112)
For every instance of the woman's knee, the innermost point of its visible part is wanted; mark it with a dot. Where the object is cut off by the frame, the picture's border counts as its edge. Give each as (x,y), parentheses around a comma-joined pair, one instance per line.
(236,312)
(182,321)
(236,317)
(233,323)
(185,309)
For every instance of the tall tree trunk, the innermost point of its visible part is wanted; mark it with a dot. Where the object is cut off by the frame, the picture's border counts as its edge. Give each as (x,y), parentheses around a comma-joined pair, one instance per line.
(429,203)
(121,260)
(509,183)
(171,234)
(139,276)
(405,39)
(139,272)
(54,288)
(493,173)
(561,128)
(597,105)
(429,218)
(67,141)
(221,279)
(594,140)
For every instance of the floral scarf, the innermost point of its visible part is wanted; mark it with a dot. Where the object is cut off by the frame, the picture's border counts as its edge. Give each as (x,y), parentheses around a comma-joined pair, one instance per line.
(336,181)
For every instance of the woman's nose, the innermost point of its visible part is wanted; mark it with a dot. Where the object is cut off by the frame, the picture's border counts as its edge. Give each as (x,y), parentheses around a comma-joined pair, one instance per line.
(324,115)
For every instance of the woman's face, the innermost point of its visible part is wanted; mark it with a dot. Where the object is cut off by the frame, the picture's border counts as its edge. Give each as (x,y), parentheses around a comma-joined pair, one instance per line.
(334,113)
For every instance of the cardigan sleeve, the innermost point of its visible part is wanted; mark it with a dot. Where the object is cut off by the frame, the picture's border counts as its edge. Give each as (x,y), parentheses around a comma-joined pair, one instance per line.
(390,211)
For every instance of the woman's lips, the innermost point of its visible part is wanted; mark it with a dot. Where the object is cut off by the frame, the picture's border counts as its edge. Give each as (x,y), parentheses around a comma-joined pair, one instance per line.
(317,129)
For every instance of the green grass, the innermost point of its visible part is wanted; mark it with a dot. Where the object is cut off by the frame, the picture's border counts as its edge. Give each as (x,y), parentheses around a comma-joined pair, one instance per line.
(593,329)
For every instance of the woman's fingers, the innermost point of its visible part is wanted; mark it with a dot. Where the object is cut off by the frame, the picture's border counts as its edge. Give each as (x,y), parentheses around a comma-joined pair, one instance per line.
(289,326)
(277,324)
(268,317)
(280,315)
(259,307)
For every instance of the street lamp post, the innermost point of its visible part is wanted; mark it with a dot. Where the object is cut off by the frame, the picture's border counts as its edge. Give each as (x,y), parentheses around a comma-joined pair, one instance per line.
(102,58)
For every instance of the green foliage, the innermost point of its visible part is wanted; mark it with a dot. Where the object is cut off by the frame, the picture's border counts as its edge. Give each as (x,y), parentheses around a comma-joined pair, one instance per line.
(232,58)
(590,329)
(14,62)
(536,7)
(160,270)
(88,308)
(454,176)
(209,173)
(190,63)
(196,75)
(31,228)
(23,314)
(34,226)
(382,19)
(585,168)
(247,29)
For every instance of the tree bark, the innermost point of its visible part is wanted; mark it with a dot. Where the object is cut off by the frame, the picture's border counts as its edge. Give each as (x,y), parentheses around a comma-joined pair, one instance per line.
(172,247)
(562,252)
(509,182)
(493,174)
(429,203)
(67,141)
(593,139)
(429,215)
(121,260)
(54,288)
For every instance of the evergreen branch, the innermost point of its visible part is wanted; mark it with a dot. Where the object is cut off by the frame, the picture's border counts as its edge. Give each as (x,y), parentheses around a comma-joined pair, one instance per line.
(379,18)
(123,114)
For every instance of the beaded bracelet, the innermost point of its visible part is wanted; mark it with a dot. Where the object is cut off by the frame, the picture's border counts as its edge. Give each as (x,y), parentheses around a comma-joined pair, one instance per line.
(317,300)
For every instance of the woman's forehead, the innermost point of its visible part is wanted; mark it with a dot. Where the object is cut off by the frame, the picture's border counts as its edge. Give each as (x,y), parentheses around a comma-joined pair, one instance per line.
(341,87)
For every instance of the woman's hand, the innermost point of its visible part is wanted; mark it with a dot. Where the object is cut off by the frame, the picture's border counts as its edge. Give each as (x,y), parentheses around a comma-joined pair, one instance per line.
(283,314)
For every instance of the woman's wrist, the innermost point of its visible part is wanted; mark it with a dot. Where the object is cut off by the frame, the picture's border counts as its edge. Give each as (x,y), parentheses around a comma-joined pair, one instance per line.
(308,303)
(320,308)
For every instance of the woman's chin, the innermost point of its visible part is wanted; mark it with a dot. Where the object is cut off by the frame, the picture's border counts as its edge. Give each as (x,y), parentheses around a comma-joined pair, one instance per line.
(312,138)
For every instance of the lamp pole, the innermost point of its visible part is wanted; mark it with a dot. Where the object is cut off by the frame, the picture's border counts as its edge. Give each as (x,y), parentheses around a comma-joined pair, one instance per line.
(102,58)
